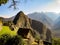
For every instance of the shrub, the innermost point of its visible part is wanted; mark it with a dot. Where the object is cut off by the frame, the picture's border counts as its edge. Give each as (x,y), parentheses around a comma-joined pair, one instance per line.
(56,41)
(6,39)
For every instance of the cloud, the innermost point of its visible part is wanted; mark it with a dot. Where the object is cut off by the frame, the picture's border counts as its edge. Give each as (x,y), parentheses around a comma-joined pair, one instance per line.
(57,1)
(5,16)
(52,7)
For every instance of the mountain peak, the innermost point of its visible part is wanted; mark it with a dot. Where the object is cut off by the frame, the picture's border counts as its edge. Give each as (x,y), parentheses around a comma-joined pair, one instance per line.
(20,13)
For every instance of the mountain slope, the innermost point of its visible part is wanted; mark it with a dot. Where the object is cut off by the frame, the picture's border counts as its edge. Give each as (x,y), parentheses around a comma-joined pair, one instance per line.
(22,21)
(54,25)
(57,24)
(44,32)
(42,17)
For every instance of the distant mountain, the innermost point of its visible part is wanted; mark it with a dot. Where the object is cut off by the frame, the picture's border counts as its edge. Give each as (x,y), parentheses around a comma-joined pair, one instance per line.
(54,24)
(9,19)
(53,16)
(57,24)
(42,17)
(49,18)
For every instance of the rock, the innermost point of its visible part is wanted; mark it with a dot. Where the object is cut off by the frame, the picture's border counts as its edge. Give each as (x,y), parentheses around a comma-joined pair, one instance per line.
(45,33)
(21,20)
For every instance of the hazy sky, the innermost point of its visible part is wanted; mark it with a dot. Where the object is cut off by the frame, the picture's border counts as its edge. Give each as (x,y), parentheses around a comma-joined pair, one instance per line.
(31,6)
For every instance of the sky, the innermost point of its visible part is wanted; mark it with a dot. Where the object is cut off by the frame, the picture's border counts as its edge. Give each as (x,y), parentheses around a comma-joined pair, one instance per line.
(30,6)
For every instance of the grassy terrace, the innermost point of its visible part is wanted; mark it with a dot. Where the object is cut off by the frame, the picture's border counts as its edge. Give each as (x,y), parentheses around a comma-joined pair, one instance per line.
(7,30)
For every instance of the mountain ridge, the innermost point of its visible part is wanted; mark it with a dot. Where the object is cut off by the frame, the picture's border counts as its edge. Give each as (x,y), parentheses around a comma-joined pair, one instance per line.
(22,21)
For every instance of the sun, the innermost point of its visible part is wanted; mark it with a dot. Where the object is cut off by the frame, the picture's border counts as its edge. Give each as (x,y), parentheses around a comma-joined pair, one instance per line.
(58,1)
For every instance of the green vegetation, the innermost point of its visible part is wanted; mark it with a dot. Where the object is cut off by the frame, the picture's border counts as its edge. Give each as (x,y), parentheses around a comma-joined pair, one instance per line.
(10,37)
(6,39)
(14,2)
(56,41)
(7,30)
(3,2)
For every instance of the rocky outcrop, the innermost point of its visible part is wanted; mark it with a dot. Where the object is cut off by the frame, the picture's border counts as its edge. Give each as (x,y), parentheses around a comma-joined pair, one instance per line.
(21,20)
(45,33)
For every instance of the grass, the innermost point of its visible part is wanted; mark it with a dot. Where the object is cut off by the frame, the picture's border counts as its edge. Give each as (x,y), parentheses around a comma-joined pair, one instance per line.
(7,30)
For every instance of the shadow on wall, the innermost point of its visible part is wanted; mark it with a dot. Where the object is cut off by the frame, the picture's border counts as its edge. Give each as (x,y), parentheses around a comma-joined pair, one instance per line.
(46,43)
(23,32)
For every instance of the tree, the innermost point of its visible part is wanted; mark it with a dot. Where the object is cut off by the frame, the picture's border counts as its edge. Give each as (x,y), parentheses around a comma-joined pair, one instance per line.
(14,2)
(3,2)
